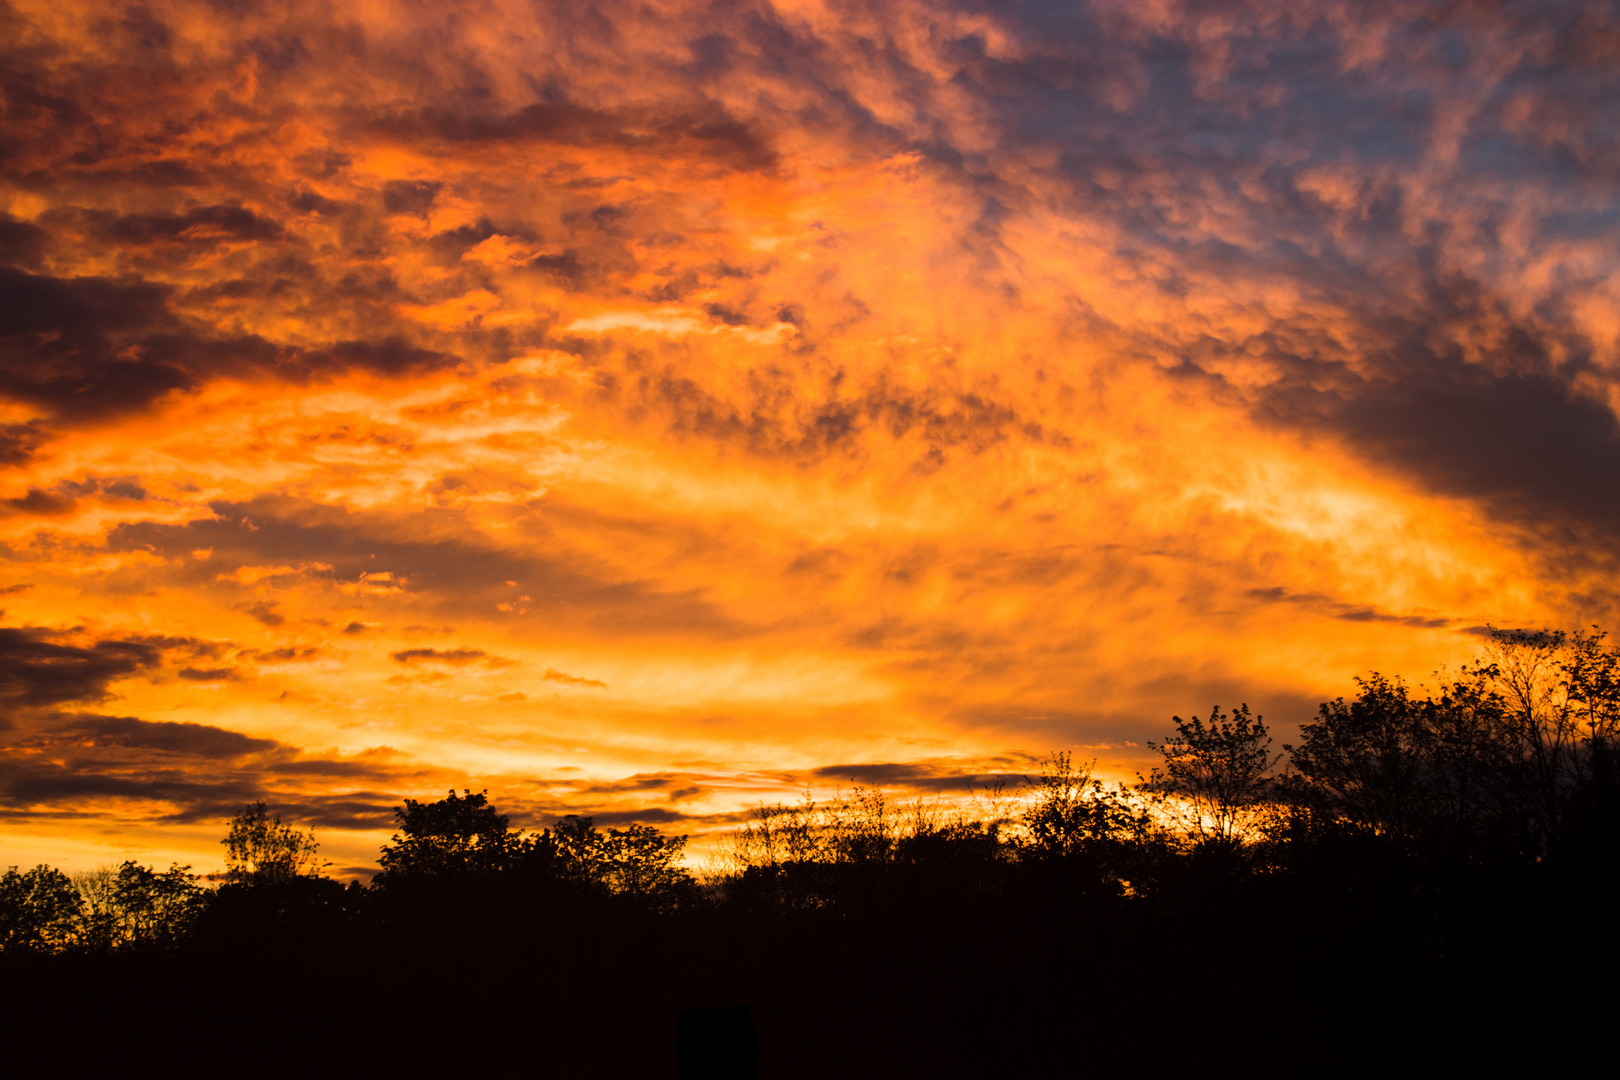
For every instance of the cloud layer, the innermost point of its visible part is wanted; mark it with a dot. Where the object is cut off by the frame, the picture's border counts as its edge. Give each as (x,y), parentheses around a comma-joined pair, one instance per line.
(647,410)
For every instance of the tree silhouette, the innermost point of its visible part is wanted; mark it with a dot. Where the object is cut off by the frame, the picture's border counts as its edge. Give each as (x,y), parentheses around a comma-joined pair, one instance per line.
(260,850)
(1366,759)
(457,835)
(637,862)
(153,909)
(1219,769)
(644,863)
(1072,812)
(39,910)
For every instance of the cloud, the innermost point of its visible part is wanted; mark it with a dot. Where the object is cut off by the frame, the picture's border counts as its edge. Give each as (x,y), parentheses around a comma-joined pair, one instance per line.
(930,775)
(39,503)
(107,487)
(552,675)
(202,224)
(393,355)
(21,243)
(224,674)
(708,130)
(48,784)
(192,647)
(35,671)
(655,815)
(439,556)
(188,739)
(410,196)
(83,763)
(286,655)
(252,575)
(263,611)
(455,657)
(18,442)
(1338,609)
(91,347)
(1525,445)
(59,344)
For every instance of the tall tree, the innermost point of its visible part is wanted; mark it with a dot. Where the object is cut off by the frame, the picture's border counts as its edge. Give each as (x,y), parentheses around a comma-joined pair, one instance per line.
(1365,761)
(1219,770)
(456,835)
(39,910)
(153,909)
(260,850)
(637,861)
(1071,811)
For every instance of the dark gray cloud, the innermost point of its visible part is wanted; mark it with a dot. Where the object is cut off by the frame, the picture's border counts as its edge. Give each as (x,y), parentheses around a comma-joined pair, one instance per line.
(637,784)
(90,347)
(45,784)
(704,129)
(19,441)
(36,671)
(53,760)
(224,674)
(39,503)
(410,196)
(442,656)
(364,809)
(657,815)
(926,775)
(1349,612)
(21,243)
(1517,436)
(110,487)
(280,656)
(191,740)
(263,611)
(61,343)
(202,224)
(433,550)
(192,647)
(199,771)
(775,419)
(392,355)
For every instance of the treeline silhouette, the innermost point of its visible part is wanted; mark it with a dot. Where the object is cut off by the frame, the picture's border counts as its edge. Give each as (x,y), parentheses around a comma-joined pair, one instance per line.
(1426,877)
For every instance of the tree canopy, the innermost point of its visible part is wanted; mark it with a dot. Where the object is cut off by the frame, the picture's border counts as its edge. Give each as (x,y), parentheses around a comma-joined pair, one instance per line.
(459,834)
(261,850)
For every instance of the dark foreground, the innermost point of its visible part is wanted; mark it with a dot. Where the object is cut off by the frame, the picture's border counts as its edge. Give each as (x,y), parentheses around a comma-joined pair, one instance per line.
(1318,972)
(1423,884)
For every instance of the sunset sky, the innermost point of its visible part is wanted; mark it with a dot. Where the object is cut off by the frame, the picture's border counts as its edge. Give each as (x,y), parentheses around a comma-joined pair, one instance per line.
(644,410)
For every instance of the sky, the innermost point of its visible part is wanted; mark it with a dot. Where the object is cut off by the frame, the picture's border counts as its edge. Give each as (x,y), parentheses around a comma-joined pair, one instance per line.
(649,410)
